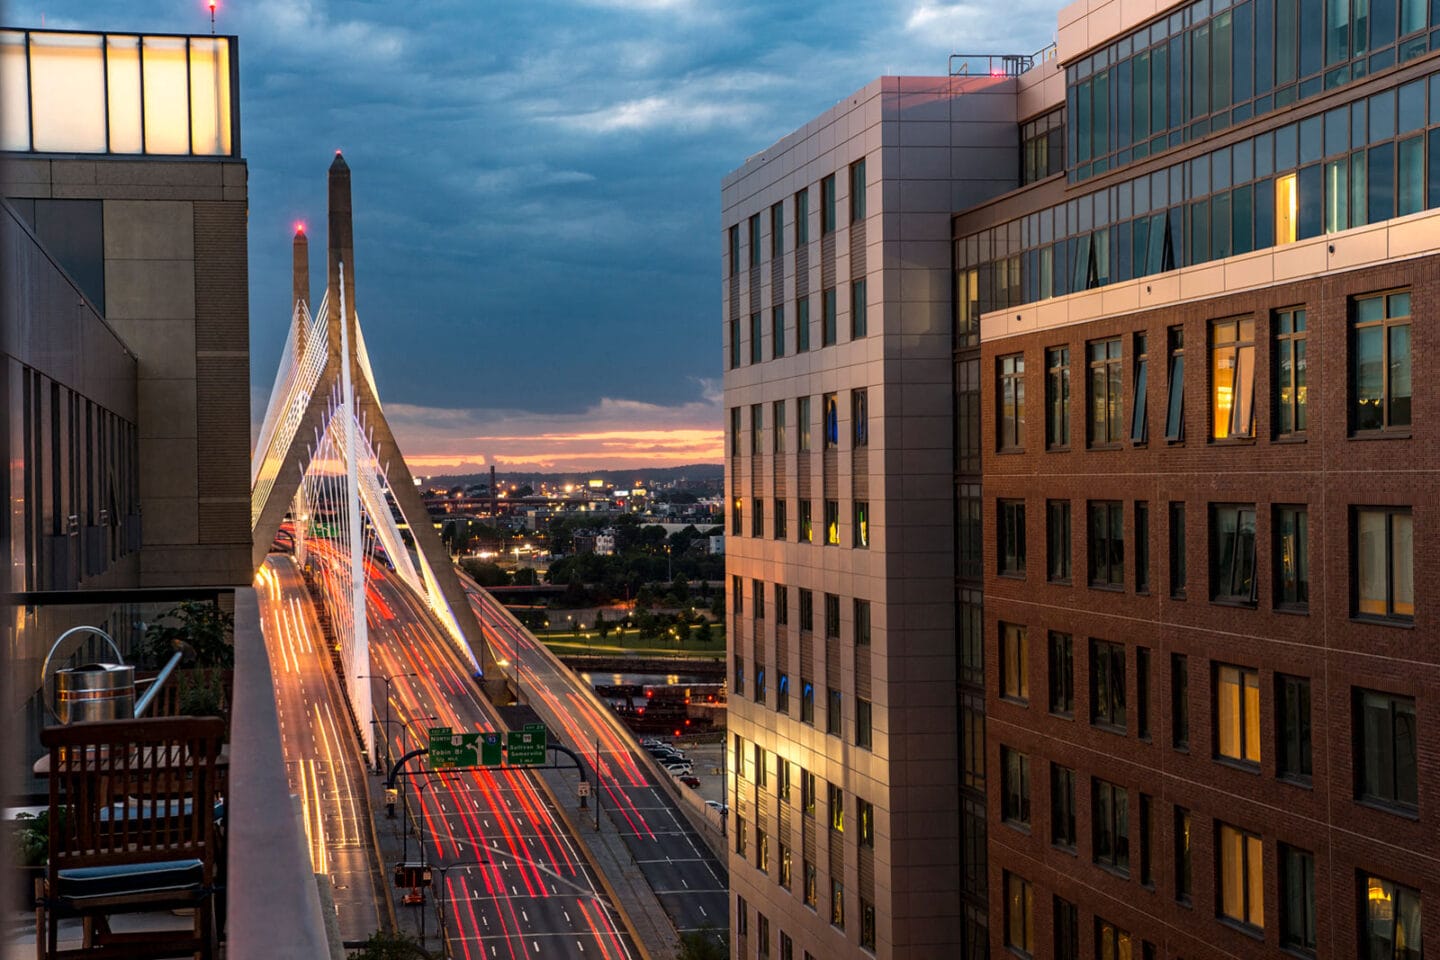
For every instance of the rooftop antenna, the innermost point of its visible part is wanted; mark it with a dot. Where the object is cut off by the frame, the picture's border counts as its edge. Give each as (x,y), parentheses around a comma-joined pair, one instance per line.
(212,18)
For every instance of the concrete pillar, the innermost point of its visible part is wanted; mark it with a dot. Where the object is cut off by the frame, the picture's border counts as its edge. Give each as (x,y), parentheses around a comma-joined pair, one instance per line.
(300,286)
(341,242)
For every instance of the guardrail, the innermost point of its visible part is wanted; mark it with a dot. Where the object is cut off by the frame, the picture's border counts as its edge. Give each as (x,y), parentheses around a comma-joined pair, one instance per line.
(998,64)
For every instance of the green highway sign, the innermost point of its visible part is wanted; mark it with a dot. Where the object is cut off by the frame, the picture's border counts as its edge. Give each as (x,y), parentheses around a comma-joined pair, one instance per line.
(526,746)
(452,750)
(491,751)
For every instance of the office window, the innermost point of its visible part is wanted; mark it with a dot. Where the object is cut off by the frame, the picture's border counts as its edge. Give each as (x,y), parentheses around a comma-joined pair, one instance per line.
(781,524)
(1142,692)
(1386,749)
(1142,546)
(807,609)
(862,622)
(1232,378)
(858,319)
(777,332)
(861,524)
(971,534)
(1012,537)
(1062,806)
(742,916)
(1242,879)
(832,523)
(1287,209)
(1179,701)
(754,239)
(1105,396)
(835,799)
(860,417)
(735,431)
(808,792)
(1111,943)
(755,339)
(757,429)
(1140,418)
(742,845)
(1391,920)
(777,229)
(1012,402)
(757,518)
(837,903)
(811,899)
(973,877)
(777,427)
(762,767)
(782,693)
(738,674)
(1177,550)
(1019,914)
(1057,397)
(1232,553)
(1292,707)
(1062,674)
(827,205)
(830,407)
(737,518)
(1057,541)
(1175,404)
(762,853)
(807,701)
(802,422)
(734,343)
(865,814)
(802,217)
(1290,372)
(829,322)
(1110,816)
(863,723)
(1107,685)
(1107,543)
(857,190)
(1380,362)
(734,249)
(802,324)
(757,590)
(972,743)
(1384,563)
(1067,930)
(867,924)
(762,928)
(1297,898)
(1184,878)
(805,528)
(782,604)
(1014,662)
(832,711)
(1292,557)
(737,594)
(1014,787)
(972,638)
(1147,840)
(787,946)
(786,861)
(1237,714)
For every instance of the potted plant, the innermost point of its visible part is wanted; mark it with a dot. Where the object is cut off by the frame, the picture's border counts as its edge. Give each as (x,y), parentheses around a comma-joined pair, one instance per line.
(31,840)
(203,687)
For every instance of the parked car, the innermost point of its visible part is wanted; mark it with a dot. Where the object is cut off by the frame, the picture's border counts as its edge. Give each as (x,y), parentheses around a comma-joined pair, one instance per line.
(690,780)
(666,753)
(679,766)
(718,807)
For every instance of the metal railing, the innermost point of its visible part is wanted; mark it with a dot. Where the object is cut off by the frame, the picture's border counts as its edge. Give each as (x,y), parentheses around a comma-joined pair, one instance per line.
(998,64)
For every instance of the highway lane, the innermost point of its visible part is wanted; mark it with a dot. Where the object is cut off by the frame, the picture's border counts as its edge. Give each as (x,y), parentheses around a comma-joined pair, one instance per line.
(322,757)
(515,883)
(690,883)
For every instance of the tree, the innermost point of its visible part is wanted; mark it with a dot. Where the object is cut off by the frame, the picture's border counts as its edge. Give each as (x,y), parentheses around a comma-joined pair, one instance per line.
(484,572)
(602,626)
(680,588)
(525,577)
(383,945)
(703,944)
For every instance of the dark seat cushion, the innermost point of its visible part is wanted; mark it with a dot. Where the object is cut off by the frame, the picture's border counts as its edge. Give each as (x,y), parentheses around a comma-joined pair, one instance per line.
(80,885)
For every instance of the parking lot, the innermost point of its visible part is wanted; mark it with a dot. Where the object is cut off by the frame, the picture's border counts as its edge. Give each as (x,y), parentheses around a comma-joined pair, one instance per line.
(706,758)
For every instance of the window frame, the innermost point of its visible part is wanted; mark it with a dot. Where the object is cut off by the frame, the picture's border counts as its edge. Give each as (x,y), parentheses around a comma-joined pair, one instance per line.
(1062,674)
(1014,662)
(1294,749)
(1010,405)
(1019,915)
(1238,346)
(1010,546)
(1291,860)
(1175,385)
(1015,788)
(1057,397)
(1400,893)
(1105,396)
(1387,323)
(1062,807)
(1108,707)
(1112,832)
(1245,681)
(1291,560)
(1252,863)
(1105,535)
(1289,376)
(1227,584)
(1396,799)
(1059,542)
(1394,611)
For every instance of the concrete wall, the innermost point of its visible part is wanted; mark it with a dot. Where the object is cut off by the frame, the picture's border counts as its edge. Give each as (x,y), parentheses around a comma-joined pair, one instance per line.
(176,293)
(931,146)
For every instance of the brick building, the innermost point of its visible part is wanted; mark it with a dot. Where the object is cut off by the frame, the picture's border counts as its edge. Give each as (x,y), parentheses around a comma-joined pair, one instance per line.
(1209,489)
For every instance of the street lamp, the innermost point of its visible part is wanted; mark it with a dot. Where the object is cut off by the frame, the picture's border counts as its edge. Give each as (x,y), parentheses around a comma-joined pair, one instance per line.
(388,681)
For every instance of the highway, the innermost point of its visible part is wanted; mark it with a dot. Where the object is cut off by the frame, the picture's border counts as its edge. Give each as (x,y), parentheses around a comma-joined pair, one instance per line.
(322,756)
(690,883)
(514,882)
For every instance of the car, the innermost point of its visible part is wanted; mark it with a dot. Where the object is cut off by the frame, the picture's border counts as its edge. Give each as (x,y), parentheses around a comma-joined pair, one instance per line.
(666,753)
(690,780)
(652,742)
(718,807)
(679,766)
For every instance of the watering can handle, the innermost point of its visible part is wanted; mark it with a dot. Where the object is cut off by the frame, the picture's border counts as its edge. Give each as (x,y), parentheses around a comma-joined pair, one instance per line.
(45,667)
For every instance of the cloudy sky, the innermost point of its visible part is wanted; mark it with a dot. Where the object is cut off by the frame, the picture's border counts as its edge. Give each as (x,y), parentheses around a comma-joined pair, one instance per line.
(536,188)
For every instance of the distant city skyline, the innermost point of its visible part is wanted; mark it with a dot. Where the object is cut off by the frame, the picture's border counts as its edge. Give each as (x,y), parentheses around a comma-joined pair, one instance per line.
(534,186)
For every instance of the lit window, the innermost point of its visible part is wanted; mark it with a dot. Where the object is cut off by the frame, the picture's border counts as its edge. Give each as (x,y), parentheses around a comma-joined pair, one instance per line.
(1384,563)
(1392,920)
(832,421)
(1014,662)
(1232,374)
(1242,878)
(1237,713)
(1287,209)
(1019,914)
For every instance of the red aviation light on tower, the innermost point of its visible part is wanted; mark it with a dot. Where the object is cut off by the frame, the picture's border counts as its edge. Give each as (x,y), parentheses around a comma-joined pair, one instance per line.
(299,226)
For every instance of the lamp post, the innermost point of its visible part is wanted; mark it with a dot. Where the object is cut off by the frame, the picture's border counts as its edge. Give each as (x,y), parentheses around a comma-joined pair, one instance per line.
(388,680)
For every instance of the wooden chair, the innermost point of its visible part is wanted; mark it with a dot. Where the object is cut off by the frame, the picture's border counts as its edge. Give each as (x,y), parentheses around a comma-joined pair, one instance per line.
(133,808)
